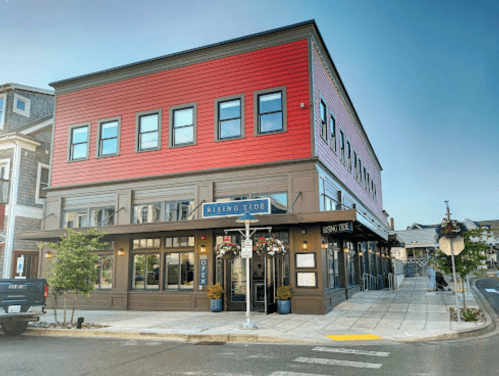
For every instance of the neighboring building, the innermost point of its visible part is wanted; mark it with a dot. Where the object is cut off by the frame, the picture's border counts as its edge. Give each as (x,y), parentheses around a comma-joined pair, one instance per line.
(139,148)
(26,119)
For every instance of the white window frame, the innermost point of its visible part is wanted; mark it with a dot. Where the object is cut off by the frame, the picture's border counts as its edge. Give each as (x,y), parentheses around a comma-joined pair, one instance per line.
(2,110)
(38,199)
(27,102)
(6,163)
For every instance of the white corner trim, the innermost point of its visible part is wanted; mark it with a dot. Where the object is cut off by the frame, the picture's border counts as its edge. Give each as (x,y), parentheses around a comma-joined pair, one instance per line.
(9,141)
(6,162)
(37,127)
(27,103)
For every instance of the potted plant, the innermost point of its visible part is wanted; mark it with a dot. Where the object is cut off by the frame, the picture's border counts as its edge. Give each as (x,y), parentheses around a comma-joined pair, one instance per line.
(269,246)
(215,294)
(450,228)
(227,250)
(283,303)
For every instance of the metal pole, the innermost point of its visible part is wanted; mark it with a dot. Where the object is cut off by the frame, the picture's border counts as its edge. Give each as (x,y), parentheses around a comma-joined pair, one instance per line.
(455,280)
(247,281)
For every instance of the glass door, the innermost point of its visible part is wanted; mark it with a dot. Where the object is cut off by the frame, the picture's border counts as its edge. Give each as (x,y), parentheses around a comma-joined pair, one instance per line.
(236,284)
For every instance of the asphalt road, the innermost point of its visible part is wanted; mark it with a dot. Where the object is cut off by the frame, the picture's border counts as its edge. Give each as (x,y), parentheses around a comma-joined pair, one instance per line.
(32,355)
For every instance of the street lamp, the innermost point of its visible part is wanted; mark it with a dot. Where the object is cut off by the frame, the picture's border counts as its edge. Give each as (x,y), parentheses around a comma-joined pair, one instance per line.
(247,218)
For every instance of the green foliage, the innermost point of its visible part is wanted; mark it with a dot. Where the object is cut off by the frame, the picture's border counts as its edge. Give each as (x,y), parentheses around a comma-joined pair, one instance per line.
(215,291)
(469,314)
(283,293)
(73,266)
(473,255)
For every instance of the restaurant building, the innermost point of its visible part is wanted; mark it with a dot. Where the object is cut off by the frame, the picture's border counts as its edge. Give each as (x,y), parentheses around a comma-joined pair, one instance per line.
(143,150)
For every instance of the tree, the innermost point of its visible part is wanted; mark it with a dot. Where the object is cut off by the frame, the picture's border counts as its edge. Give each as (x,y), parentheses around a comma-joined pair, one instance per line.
(73,267)
(473,255)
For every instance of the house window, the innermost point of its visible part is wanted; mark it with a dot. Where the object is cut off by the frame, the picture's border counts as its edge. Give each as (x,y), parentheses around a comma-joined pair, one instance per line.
(179,241)
(183,125)
(147,213)
(323,120)
(104,266)
(2,109)
(349,156)
(21,105)
(270,111)
(42,182)
(179,271)
(368,183)
(355,165)
(332,130)
(4,180)
(148,130)
(102,216)
(342,147)
(146,243)
(364,177)
(278,201)
(178,210)
(145,271)
(78,149)
(108,142)
(230,118)
(75,218)
(360,171)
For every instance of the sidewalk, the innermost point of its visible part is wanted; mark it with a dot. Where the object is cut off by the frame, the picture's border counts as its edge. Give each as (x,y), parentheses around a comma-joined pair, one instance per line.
(408,314)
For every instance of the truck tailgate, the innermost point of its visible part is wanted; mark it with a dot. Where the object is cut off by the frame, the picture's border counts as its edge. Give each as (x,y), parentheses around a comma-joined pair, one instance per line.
(23,292)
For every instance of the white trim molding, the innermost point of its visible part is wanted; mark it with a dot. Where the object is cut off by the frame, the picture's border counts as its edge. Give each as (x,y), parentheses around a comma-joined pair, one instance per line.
(27,105)
(37,127)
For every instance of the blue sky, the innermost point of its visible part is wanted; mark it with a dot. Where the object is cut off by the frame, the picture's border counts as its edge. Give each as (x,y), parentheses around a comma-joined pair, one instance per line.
(422,75)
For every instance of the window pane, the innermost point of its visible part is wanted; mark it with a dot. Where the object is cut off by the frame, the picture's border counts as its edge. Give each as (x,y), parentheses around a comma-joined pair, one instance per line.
(183,241)
(152,281)
(109,146)
(187,271)
(183,135)
(230,128)
(230,110)
(149,140)
(80,135)
(109,130)
(106,278)
(139,271)
(136,244)
(21,105)
(270,102)
(44,176)
(278,202)
(191,241)
(168,243)
(171,211)
(323,112)
(172,270)
(271,122)
(183,117)
(97,277)
(185,207)
(79,151)
(176,242)
(156,243)
(149,123)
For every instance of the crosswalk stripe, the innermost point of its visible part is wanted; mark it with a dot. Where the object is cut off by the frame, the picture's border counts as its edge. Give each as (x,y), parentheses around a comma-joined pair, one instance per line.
(279,373)
(351,351)
(336,362)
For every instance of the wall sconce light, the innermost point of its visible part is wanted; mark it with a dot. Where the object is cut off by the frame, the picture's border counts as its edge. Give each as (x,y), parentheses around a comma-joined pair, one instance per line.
(202,250)
(121,252)
(48,255)
(304,231)
(305,245)
(345,250)
(324,245)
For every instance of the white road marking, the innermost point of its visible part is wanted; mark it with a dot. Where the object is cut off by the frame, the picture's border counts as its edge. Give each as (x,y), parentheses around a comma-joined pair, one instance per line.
(351,351)
(293,374)
(335,362)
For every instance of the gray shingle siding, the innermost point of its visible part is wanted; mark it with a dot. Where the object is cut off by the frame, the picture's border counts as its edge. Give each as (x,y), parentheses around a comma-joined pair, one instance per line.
(42,106)
(21,224)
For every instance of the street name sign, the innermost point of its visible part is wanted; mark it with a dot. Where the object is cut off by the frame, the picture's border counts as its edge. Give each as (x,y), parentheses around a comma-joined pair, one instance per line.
(457,245)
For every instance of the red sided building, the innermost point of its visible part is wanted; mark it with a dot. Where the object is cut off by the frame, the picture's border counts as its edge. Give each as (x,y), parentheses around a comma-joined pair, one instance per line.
(160,153)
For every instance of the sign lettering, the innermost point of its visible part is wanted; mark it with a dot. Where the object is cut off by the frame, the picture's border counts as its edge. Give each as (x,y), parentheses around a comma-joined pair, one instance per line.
(236,208)
(337,228)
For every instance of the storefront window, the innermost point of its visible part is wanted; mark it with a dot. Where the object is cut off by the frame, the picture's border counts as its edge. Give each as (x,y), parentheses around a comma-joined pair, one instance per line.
(178,210)
(75,219)
(278,201)
(351,256)
(146,213)
(145,271)
(104,266)
(147,243)
(102,217)
(179,271)
(238,274)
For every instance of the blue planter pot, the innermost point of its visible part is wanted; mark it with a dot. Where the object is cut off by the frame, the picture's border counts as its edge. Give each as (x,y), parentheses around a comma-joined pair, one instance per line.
(216,305)
(283,306)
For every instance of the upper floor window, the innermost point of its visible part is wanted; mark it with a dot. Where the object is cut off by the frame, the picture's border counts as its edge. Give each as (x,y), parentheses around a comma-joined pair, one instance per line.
(278,201)
(360,171)
(4,180)
(323,120)
(183,125)
(147,213)
(75,218)
(270,111)
(78,148)
(365,177)
(42,182)
(102,216)
(355,165)
(368,183)
(230,117)
(342,147)
(148,130)
(332,130)
(21,105)
(108,141)
(2,109)
(349,156)
(178,210)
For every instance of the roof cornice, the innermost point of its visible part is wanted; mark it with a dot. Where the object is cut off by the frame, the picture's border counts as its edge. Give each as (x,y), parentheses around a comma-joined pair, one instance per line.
(12,86)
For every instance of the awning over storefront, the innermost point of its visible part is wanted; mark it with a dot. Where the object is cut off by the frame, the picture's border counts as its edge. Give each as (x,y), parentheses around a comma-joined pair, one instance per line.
(361,227)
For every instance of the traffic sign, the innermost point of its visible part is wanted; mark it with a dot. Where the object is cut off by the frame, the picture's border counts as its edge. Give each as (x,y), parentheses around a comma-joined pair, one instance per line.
(457,245)
(247,249)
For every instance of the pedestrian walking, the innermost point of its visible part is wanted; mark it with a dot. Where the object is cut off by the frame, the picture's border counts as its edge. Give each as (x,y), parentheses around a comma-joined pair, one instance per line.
(431,274)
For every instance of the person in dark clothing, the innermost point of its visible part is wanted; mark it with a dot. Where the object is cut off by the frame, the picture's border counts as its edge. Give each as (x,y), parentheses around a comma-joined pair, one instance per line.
(441,283)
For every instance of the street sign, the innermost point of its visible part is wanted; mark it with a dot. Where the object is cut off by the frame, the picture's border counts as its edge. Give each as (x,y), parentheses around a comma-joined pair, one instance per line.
(457,245)
(247,249)
(20,265)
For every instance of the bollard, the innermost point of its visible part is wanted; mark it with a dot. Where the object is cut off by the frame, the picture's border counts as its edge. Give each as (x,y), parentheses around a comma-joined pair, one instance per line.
(80,322)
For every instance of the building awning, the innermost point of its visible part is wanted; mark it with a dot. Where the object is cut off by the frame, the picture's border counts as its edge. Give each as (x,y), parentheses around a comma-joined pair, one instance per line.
(362,228)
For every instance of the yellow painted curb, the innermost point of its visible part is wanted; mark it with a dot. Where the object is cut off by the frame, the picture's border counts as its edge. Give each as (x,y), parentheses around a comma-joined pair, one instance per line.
(354,337)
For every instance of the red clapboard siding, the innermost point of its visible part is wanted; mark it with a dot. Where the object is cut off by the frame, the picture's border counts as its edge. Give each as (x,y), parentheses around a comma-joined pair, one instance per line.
(284,65)
(325,87)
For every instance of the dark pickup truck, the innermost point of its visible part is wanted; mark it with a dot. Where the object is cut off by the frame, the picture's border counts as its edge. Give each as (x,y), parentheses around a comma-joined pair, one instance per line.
(21,301)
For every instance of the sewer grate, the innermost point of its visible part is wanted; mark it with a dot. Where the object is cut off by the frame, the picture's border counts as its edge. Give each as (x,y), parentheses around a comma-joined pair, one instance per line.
(210,343)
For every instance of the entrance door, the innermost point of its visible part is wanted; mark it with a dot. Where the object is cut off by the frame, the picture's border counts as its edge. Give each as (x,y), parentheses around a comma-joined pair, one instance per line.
(30,264)
(236,284)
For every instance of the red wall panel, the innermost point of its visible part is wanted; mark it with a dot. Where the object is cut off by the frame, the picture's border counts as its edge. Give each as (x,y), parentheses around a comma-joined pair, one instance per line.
(284,65)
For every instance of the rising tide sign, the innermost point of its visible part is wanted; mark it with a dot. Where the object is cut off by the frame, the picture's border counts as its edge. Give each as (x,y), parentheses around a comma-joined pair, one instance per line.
(236,208)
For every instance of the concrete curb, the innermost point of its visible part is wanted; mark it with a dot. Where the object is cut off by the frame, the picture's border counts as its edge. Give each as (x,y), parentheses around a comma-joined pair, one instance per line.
(484,329)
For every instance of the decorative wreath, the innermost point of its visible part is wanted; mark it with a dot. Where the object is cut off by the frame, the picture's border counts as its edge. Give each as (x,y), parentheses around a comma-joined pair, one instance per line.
(269,246)
(227,250)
